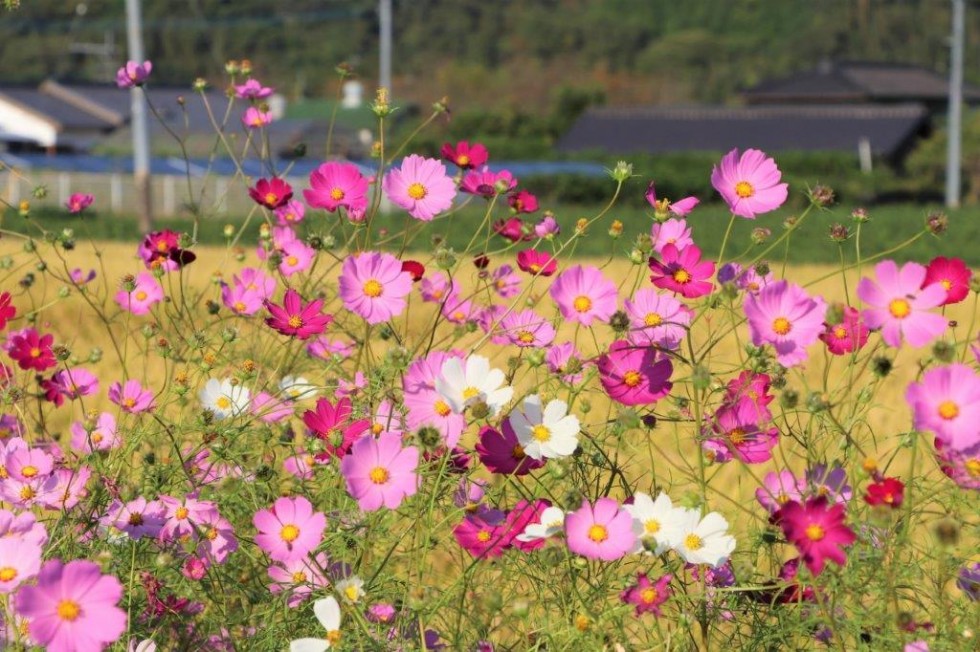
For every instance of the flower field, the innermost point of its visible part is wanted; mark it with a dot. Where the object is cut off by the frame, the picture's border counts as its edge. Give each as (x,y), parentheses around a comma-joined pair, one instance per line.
(352,437)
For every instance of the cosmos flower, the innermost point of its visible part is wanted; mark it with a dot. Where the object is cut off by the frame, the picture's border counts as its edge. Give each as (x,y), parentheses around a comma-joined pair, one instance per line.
(420,186)
(898,304)
(750,183)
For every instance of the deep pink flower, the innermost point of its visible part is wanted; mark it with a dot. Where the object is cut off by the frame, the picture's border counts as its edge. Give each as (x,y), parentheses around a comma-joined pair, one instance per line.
(501,452)
(145,293)
(601,531)
(420,186)
(7,311)
(30,350)
(946,402)
(785,316)
(512,229)
(483,535)
(898,304)
(683,271)
(952,274)
(131,397)
(817,531)
(271,193)
(647,596)
(887,491)
(848,336)
(252,90)
(523,514)
(486,183)
(380,472)
(672,232)
(750,183)
(664,207)
(634,375)
(290,529)
(537,262)
(162,249)
(254,118)
(295,319)
(133,74)
(78,202)
(73,607)
(374,286)
(522,202)
(332,424)
(414,268)
(584,295)
(742,432)
(657,319)
(464,155)
(334,185)
(527,329)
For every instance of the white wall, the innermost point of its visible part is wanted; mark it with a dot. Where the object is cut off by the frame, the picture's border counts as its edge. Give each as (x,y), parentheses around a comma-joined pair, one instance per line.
(18,124)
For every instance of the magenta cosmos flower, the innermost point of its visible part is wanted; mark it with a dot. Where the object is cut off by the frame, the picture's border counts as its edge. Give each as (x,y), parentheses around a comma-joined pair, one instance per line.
(537,262)
(144,295)
(603,531)
(374,286)
(847,336)
(254,118)
(334,185)
(252,90)
(73,607)
(131,397)
(464,155)
(749,183)
(486,183)
(634,375)
(271,193)
(647,596)
(946,402)
(7,311)
(31,350)
(294,319)
(664,207)
(682,271)
(583,294)
(78,202)
(952,274)
(133,74)
(502,453)
(379,472)
(332,424)
(817,531)
(290,529)
(421,186)
(784,315)
(898,304)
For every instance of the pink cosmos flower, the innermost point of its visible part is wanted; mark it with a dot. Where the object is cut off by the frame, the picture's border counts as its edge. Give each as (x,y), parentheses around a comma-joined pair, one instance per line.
(421,186)
(144,295)
(103,436)
(672,232)
(829,482)
(778,489)
(301,577)
(296,257)
(898,304)
(290,529)
(138,518)
(131,397)
(486,183)
(464,155)
(505,282)
(185,517)
(664,207)
(436,287)
(133,74)
(961,468)
(946,402)
(817,531)
(647,596)
(634,375)
(271,409)
(848,336)
(558,359)
(332,424)
(240,299)
(79,278)
(682,271)
(326,348)
(75,382)
(379,472)
(502,453)
(743,434)
(271,193)
(30,350)
(537,262)
(425,405)
(252,90)
(750,183)
(218,539)
(657,319)
(528,329)
(255,118)
(292,212)
(547,227)
(583,295)
(22,526)
(784,315)
(484,535)
(522,202)
(20,561)
(161,249)
(295,319)
(952,274)
(603,531)
(334,185)
(373,286)
(78,202)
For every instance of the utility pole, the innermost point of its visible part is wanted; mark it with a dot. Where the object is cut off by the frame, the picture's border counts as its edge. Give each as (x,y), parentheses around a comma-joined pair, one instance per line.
(955,125)
(384,17)
(141,137)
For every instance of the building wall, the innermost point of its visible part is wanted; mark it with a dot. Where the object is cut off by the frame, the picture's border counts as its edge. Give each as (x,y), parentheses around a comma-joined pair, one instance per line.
(18,124)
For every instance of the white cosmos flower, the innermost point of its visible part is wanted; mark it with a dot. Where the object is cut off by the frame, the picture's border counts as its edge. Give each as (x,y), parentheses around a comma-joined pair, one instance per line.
(463,386)
(297,388)
(552,522)
(701,540)
(224,399)
(653,519)
(351,588)
(328,613)
(547,433)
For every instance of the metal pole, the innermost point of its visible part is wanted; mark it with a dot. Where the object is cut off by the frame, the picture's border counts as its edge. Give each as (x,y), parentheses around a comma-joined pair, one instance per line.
(141,137)
(384,16)
(955,126)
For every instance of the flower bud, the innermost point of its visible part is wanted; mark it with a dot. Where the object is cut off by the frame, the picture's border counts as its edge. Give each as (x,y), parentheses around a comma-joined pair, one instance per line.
(937,223)
(621,172)
(881,366)
(822,195)
(943,351)
(860,215)
(620,322)
(760,235)
(839,232)
(615,229)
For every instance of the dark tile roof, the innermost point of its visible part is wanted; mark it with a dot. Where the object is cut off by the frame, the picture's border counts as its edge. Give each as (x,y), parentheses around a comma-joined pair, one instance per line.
(65,116)
(831,127)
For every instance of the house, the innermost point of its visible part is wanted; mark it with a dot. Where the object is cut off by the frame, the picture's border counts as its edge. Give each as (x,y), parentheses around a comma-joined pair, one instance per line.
(31,119)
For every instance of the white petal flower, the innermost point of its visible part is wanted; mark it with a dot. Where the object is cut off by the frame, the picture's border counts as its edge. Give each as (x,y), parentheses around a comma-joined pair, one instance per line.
(328,613)
(224,399)
(702,541)
(547,433)
(351,588)
(653,520)
(297,388)
(462,386)
(552,522)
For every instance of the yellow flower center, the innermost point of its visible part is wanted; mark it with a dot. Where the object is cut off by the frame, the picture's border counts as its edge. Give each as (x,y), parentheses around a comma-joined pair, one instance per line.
(333,636)
(648,595)
(653,319)
(29,471)
(7,574)
(840,332)
(141,295)
(949,410)
(582,303)
(292,261)
(442,408)
(781,325)
(162,246)
(462,160)
(373,288)
(482,536)
(379,475)
(534,267)
(470,392)
(299,577)
(181,513)
(352,593)
(336,194)
(97,437)
(682,276)
(289,533)
(598,533)
(541,433)
(518,452)
(129,402)
(271,198)
(69,610)
(737,436)
(899,308)
(947,284)
(223,402)
(377,428)
(744,189)
(815,532)
(417,191)
(632,378)
(295,321)
(240,306)
(693,542)
(973,467)
(26,492)
(525,336)
(35,352)
(651,526)
(211,534)
(582,623)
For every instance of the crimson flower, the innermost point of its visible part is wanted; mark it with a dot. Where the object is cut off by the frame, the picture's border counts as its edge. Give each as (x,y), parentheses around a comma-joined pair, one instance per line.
(682,271)
(31,350)
(7,311)
(414,268)
(888,491)
(952,274)
(295,319)
(271,193)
